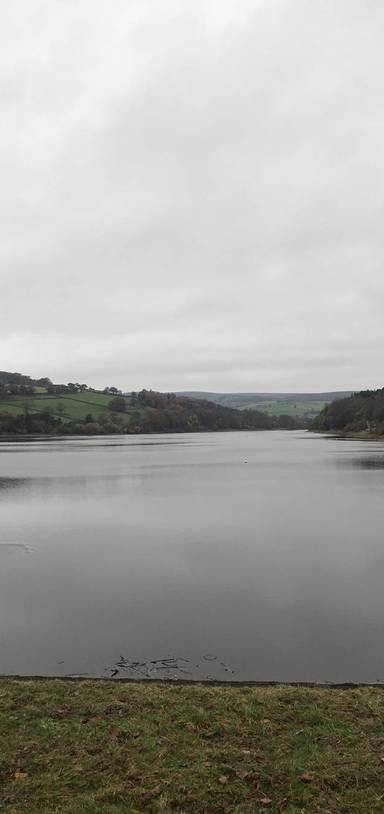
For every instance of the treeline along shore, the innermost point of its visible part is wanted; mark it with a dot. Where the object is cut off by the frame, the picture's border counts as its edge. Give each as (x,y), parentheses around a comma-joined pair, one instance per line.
(361,415)
(37,406)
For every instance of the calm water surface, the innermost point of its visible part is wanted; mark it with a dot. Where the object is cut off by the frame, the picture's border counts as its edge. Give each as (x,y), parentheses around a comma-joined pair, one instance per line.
(235,555)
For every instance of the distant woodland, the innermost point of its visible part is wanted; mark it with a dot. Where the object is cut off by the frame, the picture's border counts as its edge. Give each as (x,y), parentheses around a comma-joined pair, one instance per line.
(38,406)
(360,413)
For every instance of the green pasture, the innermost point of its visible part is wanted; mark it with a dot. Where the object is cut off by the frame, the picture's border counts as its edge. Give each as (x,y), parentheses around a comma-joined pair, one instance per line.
(11,407)
(293,408)
(71,407)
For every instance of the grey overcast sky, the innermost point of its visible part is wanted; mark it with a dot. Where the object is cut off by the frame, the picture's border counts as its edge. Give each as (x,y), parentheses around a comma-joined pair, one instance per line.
(192,193)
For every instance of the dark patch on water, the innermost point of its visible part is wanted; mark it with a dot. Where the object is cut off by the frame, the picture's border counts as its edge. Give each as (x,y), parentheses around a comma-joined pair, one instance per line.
(172,667)
(13,483)
(367,462)
(10,548)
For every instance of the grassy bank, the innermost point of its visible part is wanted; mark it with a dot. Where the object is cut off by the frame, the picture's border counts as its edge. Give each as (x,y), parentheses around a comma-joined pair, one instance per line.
(91,747)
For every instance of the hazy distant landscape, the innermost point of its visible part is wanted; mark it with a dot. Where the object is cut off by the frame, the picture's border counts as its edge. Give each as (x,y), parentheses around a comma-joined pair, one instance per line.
(34,406)
(305,405)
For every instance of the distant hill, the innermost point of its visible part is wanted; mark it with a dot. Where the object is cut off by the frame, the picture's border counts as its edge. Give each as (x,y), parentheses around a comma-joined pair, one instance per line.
(38,406)
(304,405)
(361,412)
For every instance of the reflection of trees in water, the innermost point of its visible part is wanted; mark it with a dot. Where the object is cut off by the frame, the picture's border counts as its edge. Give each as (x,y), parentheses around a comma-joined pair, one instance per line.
(7,548)
(374,462)
(13,483)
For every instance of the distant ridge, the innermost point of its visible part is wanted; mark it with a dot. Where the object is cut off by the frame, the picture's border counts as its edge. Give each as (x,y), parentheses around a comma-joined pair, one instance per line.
(38,406)
(331,395)
(296,404)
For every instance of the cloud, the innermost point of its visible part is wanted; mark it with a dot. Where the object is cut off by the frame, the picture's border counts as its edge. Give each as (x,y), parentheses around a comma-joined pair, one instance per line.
(192,193)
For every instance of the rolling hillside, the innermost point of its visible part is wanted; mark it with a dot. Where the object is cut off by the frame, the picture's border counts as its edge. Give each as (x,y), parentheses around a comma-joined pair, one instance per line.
(362,413)
(304,405)
(67,407)
(30,406)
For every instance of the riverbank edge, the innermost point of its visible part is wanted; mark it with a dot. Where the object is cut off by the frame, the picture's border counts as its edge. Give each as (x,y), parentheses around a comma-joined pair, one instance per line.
(60,436)
(185,682)
(77,746)
(351,436)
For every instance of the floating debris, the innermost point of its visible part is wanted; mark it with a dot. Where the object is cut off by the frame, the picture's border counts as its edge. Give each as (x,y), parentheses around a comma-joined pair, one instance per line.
(11,547)
(170,668)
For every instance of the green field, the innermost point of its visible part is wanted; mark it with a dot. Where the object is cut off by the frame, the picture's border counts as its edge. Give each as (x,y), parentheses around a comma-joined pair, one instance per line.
(293,408)
(76,406)
(71,407)
(13,407)
(99,747)
(298,405)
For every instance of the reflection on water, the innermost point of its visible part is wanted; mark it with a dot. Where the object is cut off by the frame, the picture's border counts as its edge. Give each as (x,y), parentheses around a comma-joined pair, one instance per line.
(152,556)
(368,462)
(12,483)
(14,548)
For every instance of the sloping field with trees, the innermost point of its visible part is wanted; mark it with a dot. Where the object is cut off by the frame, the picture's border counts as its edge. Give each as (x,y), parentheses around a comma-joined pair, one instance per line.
(39,406)
(362,413)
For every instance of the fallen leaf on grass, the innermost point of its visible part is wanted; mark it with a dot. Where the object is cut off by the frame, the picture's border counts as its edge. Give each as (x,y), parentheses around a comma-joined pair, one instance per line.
(264,800)
(61,711)
(212,735)
(114,732)
(307,777)
(241,774)
(20,775)
(135,776)
(148,794)
(94,750)
(223,779)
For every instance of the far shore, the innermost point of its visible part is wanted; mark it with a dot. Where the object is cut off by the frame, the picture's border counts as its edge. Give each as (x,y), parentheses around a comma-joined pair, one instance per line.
(352,436)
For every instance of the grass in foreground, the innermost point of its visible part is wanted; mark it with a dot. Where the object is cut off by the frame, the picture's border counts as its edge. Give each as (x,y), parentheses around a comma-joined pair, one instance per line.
(92,747)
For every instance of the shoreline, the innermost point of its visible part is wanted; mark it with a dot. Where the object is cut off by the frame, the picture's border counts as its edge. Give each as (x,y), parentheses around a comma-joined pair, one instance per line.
(348,436)
(195,682)
(53,436)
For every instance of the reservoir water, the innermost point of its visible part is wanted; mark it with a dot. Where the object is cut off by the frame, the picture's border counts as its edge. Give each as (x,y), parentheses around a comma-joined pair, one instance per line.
(241,556)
